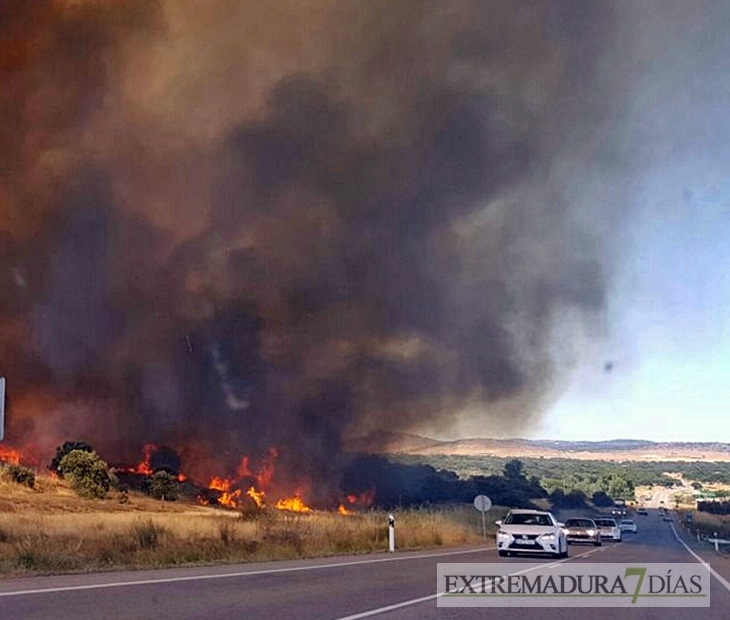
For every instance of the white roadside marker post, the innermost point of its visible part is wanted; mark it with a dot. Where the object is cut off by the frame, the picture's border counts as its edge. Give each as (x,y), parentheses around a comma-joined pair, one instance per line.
(391,533)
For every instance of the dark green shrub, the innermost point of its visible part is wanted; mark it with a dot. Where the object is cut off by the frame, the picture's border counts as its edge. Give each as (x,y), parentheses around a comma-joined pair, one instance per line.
(87,474)
(20,474)
(62,451)
(163,485)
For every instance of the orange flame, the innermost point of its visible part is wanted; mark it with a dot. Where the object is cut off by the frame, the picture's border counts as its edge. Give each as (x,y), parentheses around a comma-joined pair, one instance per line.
(143,467)
(343,511)
(230,499)
(231,489)
(292,504)
(219,484)
(365,498)
(10,455)
(28,455)
(256,496)
(256,492)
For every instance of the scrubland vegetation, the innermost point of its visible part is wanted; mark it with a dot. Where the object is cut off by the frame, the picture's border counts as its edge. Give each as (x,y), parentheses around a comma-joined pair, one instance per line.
(80,518)
(616,479)
(50,528)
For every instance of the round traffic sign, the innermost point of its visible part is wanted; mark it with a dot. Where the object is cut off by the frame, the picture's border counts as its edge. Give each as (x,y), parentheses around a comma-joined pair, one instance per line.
(482,503)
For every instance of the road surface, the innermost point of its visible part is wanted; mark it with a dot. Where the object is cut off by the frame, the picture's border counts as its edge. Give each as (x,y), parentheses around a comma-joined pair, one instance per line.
(393,587)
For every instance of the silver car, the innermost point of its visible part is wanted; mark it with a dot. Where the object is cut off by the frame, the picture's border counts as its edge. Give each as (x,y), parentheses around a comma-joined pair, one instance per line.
(582,531)
(608,528)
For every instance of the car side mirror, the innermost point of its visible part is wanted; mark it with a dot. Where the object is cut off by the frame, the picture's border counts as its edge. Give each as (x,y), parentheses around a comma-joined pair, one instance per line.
(499,522)
(561,524)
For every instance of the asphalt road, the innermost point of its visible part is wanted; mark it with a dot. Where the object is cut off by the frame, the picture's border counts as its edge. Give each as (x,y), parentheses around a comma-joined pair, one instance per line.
(396,587)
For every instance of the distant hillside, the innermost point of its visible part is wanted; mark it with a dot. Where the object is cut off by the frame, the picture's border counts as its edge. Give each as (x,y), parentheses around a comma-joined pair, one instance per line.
(385,442)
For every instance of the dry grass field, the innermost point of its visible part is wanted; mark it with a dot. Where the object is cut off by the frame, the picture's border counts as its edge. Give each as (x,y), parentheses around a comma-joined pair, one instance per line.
(708,525)
(49,529)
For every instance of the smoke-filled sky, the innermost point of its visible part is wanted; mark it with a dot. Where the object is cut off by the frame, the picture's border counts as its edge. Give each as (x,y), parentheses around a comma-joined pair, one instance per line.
(227,225)
(669,302)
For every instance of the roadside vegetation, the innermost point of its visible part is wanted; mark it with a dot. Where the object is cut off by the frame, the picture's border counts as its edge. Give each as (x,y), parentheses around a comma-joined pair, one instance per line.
(616,479)
(707,525)
(81,517)
(50,528)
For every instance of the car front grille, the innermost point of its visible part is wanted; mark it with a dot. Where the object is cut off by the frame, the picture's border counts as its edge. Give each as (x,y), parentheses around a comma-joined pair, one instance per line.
(526,542)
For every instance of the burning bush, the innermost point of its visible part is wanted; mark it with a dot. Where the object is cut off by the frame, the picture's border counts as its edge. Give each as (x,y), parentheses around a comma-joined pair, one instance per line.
(163,485)
(19,474)
(86,472)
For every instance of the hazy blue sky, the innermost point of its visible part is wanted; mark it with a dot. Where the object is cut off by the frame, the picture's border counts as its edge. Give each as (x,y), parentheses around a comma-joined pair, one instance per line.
(666,74)
(670,320)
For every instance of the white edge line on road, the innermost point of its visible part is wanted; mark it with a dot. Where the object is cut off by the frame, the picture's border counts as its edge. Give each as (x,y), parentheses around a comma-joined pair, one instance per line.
(724,582)
(430,597)
(253,573)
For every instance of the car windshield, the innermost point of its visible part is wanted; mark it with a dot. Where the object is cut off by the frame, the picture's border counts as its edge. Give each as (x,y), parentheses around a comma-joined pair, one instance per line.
(527,519)
(606,522)
(626,522)
(579,523)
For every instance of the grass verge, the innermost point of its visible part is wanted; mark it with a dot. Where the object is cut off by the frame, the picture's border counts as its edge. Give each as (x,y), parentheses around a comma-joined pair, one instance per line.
(48,529)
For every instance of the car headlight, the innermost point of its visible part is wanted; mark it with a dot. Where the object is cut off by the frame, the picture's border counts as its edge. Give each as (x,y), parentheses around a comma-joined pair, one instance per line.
(548,537)
(502,534)
(591,532)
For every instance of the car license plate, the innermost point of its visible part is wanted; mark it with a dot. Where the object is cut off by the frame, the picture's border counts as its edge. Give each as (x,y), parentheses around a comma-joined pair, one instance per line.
(523,542)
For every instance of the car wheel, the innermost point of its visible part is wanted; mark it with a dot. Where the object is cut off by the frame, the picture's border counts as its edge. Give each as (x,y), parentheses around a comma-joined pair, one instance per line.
(502,554)
(597,543)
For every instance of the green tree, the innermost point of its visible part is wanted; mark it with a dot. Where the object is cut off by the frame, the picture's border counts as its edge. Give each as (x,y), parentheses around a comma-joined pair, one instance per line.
(163,485)
(62,451)
(513,469)
(87,474)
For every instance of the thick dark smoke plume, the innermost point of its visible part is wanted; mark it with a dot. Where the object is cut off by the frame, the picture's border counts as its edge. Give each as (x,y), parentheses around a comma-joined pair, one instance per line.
(231,225)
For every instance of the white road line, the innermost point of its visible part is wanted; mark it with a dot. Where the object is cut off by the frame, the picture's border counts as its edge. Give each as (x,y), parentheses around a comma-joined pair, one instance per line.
(272,571)
(382,610)
(724,582)
(430,597)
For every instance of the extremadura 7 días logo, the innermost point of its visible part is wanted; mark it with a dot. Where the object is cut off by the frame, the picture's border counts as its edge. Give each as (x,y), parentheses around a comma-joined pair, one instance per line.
(573,585)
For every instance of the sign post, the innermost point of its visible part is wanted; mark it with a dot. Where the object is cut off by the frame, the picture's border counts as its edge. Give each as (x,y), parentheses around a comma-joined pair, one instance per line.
(482,503)
(391,533)
(2,408)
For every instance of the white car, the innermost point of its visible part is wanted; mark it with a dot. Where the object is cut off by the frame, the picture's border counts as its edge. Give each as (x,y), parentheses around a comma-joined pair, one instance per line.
(609,528)
(627,525)
(531,531)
